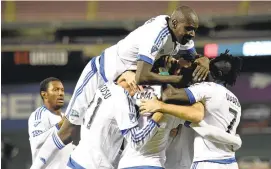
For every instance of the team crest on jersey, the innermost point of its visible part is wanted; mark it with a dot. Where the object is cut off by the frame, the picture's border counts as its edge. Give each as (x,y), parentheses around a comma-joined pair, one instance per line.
(132,117)
(74,113)
(154,49)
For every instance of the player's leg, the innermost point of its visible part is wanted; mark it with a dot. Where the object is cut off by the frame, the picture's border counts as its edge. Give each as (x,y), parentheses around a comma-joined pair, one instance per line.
(84,92)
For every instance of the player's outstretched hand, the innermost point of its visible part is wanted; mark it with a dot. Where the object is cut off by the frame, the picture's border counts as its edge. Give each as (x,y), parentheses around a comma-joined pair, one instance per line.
(202,70)
(129,77)
(150,106)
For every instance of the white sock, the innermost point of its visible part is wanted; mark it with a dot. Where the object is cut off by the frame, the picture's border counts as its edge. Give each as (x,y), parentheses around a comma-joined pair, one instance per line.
(49,149)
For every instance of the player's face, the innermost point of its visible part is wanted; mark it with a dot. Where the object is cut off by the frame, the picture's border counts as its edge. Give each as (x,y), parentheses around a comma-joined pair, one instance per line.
(55,94)
(185,31)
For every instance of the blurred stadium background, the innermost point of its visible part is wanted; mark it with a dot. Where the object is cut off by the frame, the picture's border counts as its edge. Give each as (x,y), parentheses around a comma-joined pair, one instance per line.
(57,38)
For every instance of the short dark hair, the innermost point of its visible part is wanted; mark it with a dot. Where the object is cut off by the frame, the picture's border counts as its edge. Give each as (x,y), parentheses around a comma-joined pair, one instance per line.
(45,83)
(229,71)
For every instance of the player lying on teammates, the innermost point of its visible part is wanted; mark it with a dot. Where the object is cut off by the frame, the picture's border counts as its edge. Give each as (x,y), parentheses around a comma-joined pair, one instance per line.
(152,154)
(162,35)
(217,106)
(46,119)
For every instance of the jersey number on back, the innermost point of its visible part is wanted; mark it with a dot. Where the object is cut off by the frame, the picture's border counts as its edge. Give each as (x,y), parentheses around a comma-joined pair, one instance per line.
(234,112)
(99,101)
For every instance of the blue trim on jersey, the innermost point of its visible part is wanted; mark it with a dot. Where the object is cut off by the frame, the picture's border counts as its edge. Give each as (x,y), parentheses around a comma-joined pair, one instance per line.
(187,124)
(144,167)
(57,142)
(190,95)
(38,113)
(102,72)
(162,34)
(145,59)
(85,82)
(57,126)
(222,161)
(137,137)
(74,165)
(194,165)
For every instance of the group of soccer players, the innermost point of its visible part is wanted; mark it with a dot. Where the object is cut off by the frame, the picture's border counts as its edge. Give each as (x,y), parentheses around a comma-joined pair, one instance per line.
(150,95)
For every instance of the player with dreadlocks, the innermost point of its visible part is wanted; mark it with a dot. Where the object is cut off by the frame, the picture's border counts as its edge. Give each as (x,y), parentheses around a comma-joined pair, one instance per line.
(218,106)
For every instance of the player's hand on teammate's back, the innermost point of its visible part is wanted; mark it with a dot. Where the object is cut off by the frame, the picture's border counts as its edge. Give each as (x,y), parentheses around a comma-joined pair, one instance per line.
(202,70)
(129,77)
(150,106)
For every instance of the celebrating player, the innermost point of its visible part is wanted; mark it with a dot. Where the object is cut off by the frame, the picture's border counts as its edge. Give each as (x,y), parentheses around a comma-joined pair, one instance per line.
(218,106)
(46,119)
(162,35)
(152,154)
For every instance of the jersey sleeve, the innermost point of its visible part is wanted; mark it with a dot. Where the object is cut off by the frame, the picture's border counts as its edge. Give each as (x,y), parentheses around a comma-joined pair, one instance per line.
(217,135)
(199,92)
(39,128)
(153,41)
(138,137)
(187,51)
(126,115)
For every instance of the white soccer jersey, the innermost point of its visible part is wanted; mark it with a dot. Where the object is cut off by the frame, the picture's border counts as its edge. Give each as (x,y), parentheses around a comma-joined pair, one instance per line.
(180,151)
(110,117)
(153,152)
(222,110)
(41,125)
(148,43)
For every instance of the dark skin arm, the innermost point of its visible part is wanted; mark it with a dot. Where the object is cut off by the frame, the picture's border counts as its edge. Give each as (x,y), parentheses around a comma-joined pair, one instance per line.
(175,96)
(145,76)
(68,131)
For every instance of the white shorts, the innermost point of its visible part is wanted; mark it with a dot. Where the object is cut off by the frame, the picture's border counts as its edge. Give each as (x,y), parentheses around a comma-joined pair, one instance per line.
(90,80)
(211,165)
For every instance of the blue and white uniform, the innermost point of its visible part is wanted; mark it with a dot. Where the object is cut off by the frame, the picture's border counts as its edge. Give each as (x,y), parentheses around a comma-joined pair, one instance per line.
(111,116)
(147,43)
(41,124)
(222,110)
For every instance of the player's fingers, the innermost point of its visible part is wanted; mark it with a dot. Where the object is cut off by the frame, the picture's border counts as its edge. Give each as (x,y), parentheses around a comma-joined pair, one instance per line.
(140,88)
(199,73)
(136,88)
(142,108)
(196,71)
(120,79)
(206,74)
(132,86)
(203,73)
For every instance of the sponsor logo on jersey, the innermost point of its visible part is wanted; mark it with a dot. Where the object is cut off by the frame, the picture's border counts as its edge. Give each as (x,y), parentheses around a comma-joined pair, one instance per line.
(37,123)
(74,113)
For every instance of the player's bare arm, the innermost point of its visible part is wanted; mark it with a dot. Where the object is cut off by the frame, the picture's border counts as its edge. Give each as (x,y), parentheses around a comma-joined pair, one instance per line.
(145,76)
(66,131)
(193,113)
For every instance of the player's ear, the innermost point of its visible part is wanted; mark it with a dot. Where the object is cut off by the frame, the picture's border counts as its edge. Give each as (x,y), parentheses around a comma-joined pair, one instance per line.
(43,94)
(174,23)
(219,73)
